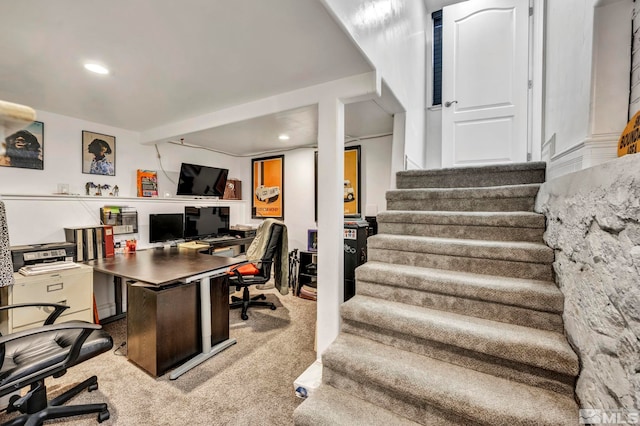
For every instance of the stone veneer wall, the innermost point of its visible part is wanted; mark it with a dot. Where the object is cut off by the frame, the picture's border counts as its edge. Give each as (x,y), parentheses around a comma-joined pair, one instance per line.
(593,225)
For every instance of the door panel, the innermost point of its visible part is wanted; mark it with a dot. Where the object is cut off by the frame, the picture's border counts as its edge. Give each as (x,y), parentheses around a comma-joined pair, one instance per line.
(483,140)
(485,77)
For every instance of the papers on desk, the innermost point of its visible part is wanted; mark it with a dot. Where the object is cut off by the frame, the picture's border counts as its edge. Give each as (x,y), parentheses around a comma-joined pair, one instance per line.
(143,284)
(193,245)
(45,268)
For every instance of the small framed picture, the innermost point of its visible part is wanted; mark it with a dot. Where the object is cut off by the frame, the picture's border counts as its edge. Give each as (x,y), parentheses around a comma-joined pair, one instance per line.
(24,148)
(98,154)
(312,240)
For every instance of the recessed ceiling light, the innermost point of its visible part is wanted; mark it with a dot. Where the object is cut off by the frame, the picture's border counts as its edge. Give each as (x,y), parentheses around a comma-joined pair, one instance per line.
(98,69)
(283,137)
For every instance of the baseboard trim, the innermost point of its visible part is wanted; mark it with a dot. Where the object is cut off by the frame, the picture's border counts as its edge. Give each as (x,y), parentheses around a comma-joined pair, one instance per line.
(106,310)
(590,152)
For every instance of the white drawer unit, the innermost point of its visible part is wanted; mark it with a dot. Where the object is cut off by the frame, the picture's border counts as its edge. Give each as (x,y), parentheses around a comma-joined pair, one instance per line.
(71,287)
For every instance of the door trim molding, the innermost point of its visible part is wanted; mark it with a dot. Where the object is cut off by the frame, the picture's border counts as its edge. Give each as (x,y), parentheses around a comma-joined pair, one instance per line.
(536,46)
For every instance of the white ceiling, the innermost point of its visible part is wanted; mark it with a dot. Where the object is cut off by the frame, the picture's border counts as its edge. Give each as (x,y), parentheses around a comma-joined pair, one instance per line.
(172,60)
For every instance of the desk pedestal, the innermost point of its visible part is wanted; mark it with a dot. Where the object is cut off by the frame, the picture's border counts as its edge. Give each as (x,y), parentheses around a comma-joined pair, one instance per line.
(163,323)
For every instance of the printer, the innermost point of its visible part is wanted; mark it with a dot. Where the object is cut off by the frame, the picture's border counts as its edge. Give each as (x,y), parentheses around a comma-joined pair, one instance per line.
(35,254)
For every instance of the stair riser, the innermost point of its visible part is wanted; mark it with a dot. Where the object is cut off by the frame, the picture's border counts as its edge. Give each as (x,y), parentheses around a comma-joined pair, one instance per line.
(332,407)
(484,363)
(465,205)
(491,233)
(416,410)
(508,293)
(536,271)
(516,252)
(469,180)
(476,308)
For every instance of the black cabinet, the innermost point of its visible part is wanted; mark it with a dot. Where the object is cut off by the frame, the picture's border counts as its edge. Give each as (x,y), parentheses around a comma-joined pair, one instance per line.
(308,275)
(355,253)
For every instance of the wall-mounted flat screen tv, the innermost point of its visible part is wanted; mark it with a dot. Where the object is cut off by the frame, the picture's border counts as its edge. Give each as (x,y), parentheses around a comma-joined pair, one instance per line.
(166,227)
(202,181)
(202,222)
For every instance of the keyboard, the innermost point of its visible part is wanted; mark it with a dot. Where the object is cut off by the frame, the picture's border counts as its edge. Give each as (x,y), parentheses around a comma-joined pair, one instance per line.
(215,239)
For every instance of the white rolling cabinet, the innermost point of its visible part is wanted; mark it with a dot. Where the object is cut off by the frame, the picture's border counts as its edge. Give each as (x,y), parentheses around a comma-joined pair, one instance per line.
(71,287)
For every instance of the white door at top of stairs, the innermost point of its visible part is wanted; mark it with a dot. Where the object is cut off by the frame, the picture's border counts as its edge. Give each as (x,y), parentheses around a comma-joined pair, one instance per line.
(485,82)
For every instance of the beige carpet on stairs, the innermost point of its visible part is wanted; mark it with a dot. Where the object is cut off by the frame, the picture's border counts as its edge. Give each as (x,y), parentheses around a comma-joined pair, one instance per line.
(456,318)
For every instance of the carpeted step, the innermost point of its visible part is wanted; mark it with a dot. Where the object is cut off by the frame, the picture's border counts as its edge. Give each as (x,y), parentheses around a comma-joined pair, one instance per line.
(536,357)
(464,177)
(531,303)
(509,259)
(492,199)
(416,386)
(328,406)
(497,226)
(464,340)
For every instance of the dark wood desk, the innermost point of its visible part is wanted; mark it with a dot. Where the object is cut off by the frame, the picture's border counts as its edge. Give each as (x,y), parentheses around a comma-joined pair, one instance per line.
(163,267)
(243,242)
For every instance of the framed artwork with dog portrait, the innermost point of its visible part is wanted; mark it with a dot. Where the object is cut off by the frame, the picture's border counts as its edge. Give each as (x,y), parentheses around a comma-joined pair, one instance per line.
(24,148)
(98,154)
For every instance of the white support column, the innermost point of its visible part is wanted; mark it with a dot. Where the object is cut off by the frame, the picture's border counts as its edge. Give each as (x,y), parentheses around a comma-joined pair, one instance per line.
(330,221)
(397,146)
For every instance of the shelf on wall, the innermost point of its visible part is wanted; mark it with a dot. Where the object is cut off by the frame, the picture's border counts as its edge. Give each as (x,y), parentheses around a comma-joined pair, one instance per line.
(116,200)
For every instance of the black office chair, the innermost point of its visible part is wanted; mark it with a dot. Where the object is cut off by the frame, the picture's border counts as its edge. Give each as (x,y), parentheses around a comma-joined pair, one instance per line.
(256,272)
(29,357)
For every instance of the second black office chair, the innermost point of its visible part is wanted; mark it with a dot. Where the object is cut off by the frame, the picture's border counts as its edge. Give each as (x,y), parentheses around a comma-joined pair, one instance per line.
(256,272)
(29,357)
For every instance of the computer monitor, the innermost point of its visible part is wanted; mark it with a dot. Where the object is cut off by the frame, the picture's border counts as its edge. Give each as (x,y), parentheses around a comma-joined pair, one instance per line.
(166,227)
(197,180)
(202,222)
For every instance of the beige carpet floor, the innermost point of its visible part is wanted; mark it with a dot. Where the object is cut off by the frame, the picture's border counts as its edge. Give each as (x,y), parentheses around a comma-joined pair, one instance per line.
(250,383)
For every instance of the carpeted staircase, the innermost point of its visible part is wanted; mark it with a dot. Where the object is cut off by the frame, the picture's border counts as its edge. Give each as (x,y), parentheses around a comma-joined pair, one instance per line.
(457,319)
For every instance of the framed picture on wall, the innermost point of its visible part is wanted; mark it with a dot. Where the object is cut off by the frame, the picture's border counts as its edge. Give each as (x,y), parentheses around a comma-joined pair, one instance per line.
(352,207)
(312,240)
(24,148)
(352,181)
(98,154)
(267,178)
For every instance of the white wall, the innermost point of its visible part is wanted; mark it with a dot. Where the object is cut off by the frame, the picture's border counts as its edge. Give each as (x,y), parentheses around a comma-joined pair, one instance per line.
(298,195)
(63,164)
(568,56)
(36,216)
(375,156)
(299,177)
(395,45)
(612,64)
(63,160)
(588,47)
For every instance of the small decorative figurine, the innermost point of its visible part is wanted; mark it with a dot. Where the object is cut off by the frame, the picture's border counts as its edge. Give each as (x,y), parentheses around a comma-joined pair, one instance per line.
(116,190)
(87,187)
(101,187)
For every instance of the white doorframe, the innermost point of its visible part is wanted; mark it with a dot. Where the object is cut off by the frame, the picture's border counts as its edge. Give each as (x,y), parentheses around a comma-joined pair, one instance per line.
(536,45)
